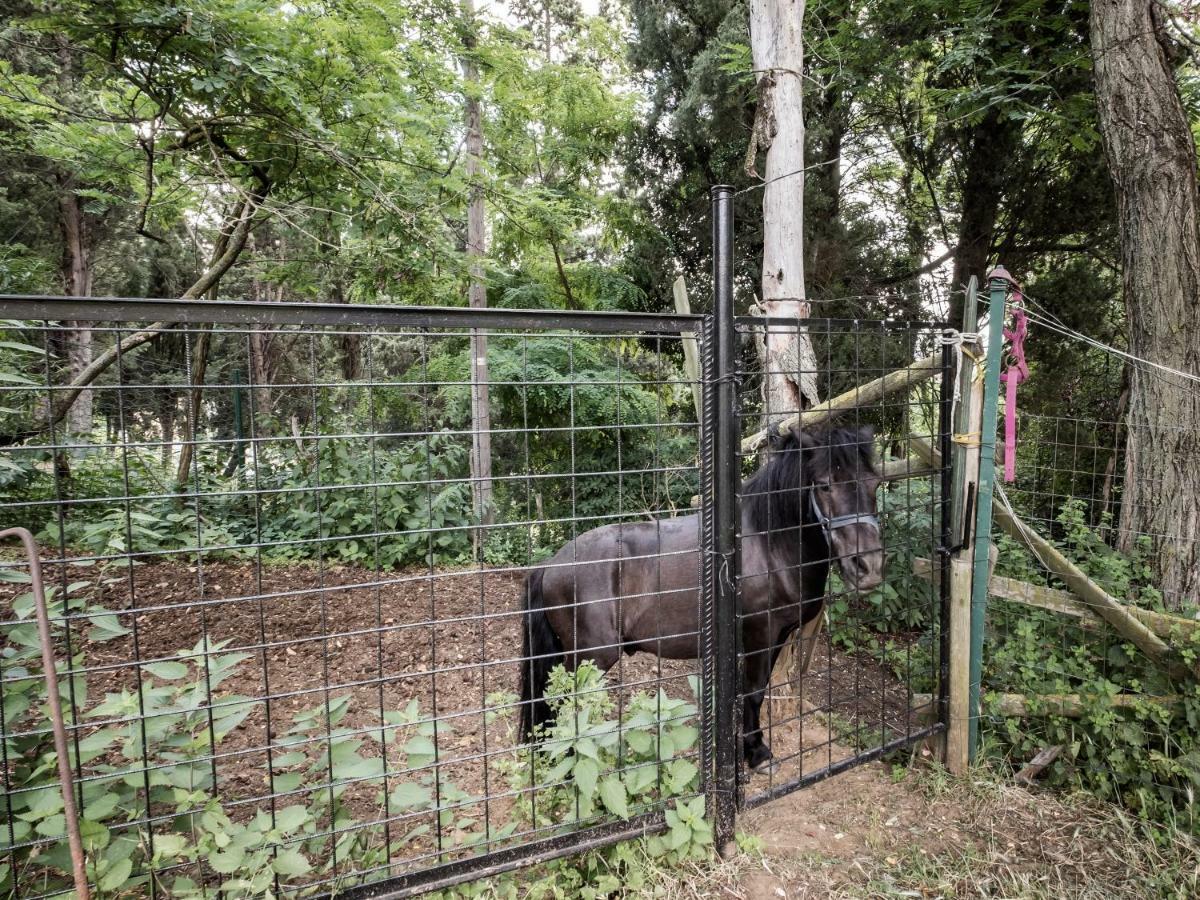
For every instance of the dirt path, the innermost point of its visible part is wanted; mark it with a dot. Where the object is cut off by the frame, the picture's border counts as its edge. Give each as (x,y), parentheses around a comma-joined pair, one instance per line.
(882,831)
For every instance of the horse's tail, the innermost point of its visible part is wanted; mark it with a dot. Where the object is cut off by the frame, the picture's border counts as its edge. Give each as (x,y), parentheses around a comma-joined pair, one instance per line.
(541,651)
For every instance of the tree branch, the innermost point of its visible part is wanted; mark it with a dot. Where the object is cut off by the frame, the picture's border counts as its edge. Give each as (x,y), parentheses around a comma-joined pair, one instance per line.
(211,276)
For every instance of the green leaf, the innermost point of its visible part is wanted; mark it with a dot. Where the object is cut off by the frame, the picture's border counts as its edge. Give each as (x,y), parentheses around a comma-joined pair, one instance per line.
(420,751)
(227,862)
(612,793)
(290,861)
(116,876)
(169,846)
(409,794)
(682,773)
(287,782)
(168,671)
(95,836)
(290,818)
(586,772)
(287,760)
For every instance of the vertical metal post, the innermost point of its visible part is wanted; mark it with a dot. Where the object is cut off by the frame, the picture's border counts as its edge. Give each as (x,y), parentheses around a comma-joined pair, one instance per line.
(998,282)
(957,575)
(721,423)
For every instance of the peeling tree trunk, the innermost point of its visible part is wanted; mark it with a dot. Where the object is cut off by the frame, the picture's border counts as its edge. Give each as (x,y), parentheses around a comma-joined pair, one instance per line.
(1152,160)
(778,49)
(481,438)
(789,364)
(76,265)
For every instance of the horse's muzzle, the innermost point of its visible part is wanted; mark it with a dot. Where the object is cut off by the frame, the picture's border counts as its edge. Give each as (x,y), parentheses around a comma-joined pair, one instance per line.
(863,571)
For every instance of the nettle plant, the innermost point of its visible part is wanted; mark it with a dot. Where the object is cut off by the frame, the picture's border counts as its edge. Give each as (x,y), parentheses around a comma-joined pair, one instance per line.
(593,759)
(152,805)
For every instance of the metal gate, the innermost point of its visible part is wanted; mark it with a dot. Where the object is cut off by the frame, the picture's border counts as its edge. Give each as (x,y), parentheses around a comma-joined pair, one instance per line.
(843,676)
(287,641)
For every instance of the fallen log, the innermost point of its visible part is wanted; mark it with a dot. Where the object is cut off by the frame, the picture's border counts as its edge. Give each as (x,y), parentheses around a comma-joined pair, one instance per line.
(1092,595)
(1032,769)
(863,394)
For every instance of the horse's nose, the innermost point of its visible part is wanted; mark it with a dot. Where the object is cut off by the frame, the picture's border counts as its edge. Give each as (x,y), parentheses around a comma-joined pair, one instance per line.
(867,571)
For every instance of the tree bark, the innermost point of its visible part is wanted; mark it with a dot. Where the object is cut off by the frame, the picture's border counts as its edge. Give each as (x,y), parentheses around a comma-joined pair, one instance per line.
(789,363)
(993,141)
(481,437)
(1152,160)
(778,50)
(77,281)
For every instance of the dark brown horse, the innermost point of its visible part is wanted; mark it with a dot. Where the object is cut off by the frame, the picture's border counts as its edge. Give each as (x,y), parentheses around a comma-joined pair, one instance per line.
(635,586)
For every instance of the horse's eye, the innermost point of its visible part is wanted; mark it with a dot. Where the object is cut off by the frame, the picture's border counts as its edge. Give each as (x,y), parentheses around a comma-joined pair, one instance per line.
(824,487)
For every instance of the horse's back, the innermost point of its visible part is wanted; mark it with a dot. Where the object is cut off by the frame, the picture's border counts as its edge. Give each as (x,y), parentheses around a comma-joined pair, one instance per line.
(633,584)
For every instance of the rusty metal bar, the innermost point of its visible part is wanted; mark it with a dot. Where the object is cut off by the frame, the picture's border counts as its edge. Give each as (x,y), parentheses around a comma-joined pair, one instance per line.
(67,780)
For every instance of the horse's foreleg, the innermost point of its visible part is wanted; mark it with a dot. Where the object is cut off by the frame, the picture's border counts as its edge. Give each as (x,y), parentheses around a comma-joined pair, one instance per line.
(758,672)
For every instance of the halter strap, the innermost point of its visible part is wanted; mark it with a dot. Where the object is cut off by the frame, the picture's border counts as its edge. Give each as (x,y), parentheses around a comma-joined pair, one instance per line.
(830,524)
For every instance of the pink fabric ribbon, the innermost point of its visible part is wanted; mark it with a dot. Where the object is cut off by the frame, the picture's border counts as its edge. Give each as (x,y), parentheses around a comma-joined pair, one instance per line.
(1014,373)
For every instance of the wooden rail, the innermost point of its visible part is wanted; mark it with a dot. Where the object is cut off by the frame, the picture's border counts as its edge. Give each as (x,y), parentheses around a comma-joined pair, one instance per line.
(1067,604)
(1070,706)
(1084,589)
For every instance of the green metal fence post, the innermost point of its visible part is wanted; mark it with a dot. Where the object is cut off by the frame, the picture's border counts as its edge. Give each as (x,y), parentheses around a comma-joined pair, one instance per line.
(998,282)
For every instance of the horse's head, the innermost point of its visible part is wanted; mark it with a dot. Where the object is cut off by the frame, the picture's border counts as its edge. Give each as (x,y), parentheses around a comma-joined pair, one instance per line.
(837,489)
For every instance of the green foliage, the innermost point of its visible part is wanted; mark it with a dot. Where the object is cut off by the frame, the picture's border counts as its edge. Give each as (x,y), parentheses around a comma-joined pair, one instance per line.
(150,750)
(1145,755)
(903,603)
(591,762)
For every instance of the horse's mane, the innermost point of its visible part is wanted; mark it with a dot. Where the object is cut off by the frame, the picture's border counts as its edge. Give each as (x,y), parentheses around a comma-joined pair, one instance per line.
(772,494)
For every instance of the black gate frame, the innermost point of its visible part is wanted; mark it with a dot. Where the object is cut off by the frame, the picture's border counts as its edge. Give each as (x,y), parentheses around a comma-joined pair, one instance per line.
(722,474)
(720,465)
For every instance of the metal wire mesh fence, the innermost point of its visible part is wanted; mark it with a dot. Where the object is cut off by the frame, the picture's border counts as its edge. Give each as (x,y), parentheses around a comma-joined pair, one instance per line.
(310,640)
(1069,690)
(292,642)
(830,526)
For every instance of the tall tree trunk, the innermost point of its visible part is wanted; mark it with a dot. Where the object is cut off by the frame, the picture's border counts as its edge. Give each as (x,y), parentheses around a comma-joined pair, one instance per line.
(76,265)
(261,372)
(166,416)
(481,437)
(193,407)
(77,280)
(993,141)
(778,50)
(789,363)
(1152,160)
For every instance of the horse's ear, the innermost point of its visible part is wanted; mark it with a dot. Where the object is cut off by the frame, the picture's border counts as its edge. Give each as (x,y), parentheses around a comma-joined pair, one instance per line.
(775,437)
(803,438)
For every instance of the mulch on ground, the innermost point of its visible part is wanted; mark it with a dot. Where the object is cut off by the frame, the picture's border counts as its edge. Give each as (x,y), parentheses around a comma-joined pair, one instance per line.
(447,639)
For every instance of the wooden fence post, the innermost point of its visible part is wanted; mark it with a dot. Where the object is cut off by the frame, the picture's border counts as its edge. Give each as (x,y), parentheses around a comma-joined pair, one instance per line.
(691,353)
(967,419)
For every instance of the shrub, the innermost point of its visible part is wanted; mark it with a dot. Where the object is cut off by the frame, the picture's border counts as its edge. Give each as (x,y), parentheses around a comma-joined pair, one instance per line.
(1144,755)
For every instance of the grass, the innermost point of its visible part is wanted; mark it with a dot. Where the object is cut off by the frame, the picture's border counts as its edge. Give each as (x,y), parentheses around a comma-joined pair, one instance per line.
(1038,846)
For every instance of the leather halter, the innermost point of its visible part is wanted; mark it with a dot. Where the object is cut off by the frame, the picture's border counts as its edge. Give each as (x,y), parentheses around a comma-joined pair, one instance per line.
(829,524)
